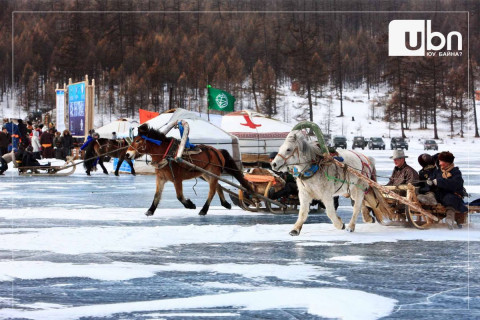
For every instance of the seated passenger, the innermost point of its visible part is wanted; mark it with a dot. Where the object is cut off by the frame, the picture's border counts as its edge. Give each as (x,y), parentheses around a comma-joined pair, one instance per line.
(402,173)
(426,195)
(290,187)
(448,185)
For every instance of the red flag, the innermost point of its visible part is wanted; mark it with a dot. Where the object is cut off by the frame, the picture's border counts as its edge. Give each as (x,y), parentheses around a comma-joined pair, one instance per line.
(146,115)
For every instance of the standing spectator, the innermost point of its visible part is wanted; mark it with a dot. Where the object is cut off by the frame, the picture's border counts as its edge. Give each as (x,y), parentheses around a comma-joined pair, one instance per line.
(58,146)
(114,135)
(29,128)
(36,146)
(4,141)
(46,140)
(67,143)
(23,132)
(12,129)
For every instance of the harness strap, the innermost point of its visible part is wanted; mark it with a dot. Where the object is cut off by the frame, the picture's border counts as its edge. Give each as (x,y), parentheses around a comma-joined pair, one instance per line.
(157,142)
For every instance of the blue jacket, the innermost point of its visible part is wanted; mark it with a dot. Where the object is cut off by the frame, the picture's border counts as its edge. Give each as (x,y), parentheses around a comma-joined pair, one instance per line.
(89,139)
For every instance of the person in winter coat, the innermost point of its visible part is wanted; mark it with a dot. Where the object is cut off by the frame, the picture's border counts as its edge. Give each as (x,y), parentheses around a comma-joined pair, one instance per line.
(4,141)
(67,143)
(46,140)
(36,146)
(58,145)
(12,129)
(448,185)
(402,173)
(89,164)
(23,132)
(426,194)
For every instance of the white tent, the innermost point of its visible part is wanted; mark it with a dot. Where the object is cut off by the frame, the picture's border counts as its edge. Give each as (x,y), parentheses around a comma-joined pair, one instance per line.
(257,134)
(121,127)
(201,131)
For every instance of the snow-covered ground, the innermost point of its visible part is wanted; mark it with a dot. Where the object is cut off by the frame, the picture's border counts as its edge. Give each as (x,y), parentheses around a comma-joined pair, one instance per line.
(80,247)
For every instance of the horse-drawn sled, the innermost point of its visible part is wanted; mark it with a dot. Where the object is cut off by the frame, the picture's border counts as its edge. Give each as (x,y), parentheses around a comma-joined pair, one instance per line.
(262,181)
(321,175)
(389,209)
(67,169)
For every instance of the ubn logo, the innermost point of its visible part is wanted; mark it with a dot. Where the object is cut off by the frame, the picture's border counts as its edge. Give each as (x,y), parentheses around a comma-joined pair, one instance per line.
(414,38)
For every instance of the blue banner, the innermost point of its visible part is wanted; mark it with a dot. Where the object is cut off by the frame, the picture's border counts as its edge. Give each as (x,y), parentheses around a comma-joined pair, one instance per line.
(76,108)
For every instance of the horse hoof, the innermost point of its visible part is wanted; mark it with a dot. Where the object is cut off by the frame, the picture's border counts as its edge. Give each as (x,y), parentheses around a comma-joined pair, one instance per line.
(202,213)
(227,205)
(149,213)
(350,229)
(294,233)
(116,174)
(105,172)
(343,227)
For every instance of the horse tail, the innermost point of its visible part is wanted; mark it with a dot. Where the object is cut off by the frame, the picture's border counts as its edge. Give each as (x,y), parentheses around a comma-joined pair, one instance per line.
(89,157)
(231,168)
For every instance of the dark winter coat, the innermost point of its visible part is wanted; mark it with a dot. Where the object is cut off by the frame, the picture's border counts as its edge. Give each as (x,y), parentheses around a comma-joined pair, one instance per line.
(23,132)
(449,191)
(4,142)
(67,141)
(424,174)
(403,175)
(46,140)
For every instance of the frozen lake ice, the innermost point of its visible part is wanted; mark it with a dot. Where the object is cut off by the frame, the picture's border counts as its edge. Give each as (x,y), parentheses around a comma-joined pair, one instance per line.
(80,247)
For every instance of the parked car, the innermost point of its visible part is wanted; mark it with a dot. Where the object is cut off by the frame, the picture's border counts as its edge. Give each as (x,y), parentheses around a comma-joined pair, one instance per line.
(358,142)
(398,143)
(430,145)
(340,142)
(376,143)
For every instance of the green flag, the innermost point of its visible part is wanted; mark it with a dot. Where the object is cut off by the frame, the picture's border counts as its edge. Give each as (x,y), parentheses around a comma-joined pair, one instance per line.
(220,100)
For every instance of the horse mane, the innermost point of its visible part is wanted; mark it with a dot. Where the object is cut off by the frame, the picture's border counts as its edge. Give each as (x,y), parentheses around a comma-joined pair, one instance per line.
(146,130)
(307,148)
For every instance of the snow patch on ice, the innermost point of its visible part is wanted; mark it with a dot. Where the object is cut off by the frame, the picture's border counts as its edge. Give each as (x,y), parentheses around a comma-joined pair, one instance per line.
(119,271)
(348,258)
(322,302)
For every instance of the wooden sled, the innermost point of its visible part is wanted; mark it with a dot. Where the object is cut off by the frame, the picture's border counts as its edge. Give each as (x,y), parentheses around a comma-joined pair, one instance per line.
(48,170)
(390,211)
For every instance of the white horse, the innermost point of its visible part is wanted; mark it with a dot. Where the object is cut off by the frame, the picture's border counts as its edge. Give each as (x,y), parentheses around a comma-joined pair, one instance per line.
(319,178)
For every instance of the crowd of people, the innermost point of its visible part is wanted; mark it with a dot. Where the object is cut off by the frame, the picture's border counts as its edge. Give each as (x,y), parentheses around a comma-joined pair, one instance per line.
(26,143)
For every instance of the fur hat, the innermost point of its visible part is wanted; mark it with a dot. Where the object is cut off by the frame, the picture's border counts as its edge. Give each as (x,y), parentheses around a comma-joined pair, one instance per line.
(446,156)
(425,160)
(398,154)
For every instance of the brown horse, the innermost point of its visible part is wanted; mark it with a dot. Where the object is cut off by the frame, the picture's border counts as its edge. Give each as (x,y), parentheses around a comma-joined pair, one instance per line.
(106,148)
(162,149)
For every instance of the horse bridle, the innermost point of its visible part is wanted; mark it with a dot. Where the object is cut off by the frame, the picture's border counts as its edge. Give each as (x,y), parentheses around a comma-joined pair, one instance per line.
(286,158)
(137,149)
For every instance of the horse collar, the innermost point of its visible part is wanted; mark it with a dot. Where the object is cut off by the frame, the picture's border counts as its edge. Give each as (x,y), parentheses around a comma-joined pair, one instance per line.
(306,173)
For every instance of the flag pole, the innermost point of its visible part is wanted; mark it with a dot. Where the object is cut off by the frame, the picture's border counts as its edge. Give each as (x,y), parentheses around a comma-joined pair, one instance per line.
(208,105)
